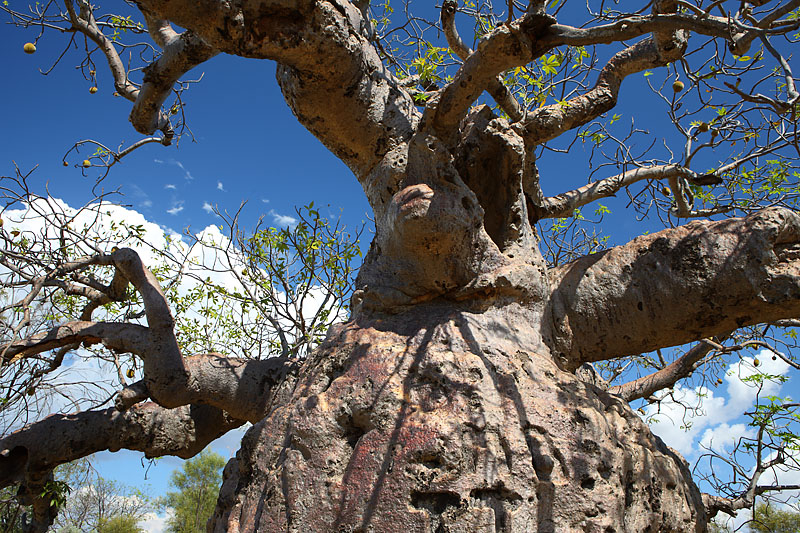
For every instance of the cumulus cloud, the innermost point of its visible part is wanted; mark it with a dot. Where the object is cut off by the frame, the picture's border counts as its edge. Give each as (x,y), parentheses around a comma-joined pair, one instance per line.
(282,220)
(156,523)
(208,208)
(220,187)
(176,208)
(709,424)
(170,186)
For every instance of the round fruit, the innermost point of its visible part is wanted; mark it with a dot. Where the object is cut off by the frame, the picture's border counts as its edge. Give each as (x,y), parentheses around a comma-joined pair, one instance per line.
(756,362)
(714,133)
(65,163)
(29,48)
(130,373)
(677,86)
(31,391)
(666,191)
(774,358)
(719,381)
(92,90)
(116,93)
(91,73)
(87,163)
(703,127)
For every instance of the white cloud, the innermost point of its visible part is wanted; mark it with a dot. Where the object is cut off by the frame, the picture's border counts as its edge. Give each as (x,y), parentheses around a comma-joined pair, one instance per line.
(170,186)
(147,203)
(723,437)
(282,220)
(208,208)
(265,200)
(156,523)
(220,187)
(176,208)
(710,423)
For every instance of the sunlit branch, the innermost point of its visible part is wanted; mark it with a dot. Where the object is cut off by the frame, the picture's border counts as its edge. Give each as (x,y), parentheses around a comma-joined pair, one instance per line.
(58,439)
(550,121)
(123,337)
(180,55)
(501,94)
(682,367)
(563,205)
(644,295)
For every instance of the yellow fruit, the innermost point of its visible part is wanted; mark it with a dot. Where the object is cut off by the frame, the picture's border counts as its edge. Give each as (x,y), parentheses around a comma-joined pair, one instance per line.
(29,48)
(130,373)
(666,191)
(703,127)
(719,381)
(87,163)
(677,86)
(92,90)
(756,362)
(174,110)
(641,410)
(91,73)
(116,93)
(65,163)
(1,222)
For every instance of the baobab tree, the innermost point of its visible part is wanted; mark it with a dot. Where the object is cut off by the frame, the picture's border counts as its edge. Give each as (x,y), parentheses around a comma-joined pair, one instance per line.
(459,395)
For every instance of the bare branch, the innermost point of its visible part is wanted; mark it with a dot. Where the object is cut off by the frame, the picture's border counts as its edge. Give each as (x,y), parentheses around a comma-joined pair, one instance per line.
(681,368)
(123,337)
(501,94)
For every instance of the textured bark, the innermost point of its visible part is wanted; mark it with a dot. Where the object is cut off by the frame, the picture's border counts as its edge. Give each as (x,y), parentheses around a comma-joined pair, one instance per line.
(445,419)
(677,286)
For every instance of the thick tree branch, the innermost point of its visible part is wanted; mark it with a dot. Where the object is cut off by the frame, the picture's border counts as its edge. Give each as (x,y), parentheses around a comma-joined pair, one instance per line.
(677,286)
(508,46)
(180,55)
(562,205)
(330,73)
(501,94)
(548,122)
(242,387)
(121,337)
(682,367)
(58,439)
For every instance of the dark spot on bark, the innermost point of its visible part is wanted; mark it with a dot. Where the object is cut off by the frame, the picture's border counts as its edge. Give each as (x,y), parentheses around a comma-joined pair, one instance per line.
(500,500)
(467,203)
(640,306)
(435,503)
(587,484)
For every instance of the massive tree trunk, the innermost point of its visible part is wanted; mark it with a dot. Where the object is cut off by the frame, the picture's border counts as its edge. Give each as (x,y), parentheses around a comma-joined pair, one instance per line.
(449,417)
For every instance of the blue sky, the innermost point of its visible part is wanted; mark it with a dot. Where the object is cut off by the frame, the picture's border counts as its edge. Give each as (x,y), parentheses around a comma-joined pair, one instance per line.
(248,147)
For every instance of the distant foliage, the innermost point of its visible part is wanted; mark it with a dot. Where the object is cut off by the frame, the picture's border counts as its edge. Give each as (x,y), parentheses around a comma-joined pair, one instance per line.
(197,485)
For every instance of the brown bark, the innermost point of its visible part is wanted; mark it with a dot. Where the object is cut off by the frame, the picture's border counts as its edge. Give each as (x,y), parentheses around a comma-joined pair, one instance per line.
(677,286)
(446,419)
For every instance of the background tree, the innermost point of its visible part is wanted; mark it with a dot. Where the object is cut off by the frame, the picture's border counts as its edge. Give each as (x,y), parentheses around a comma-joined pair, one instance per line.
(768,519)
(120,524)
(460,394)
(197,484)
